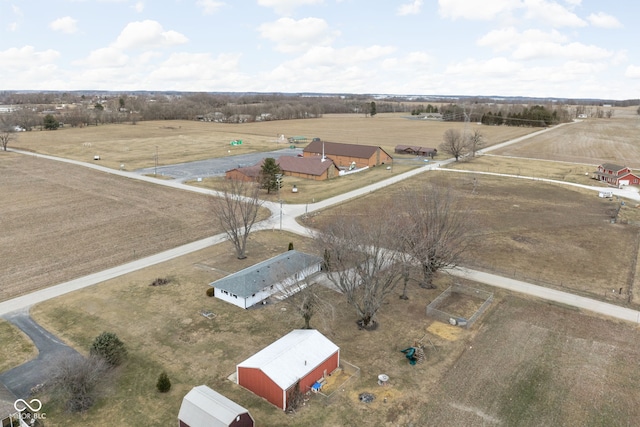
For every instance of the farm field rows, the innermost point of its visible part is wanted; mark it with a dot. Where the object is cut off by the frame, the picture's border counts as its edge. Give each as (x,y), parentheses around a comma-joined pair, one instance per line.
(593,141)
(67,221)
(72,221)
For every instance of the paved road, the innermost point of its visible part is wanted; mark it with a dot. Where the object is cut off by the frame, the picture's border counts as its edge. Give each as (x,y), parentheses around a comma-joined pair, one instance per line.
(548,294)
(22,379)
(282,217)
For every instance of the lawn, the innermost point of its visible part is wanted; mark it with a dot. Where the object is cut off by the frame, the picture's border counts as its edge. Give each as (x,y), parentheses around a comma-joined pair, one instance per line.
(17,348)
(133,147)
(311,191)
(525,363)
(540,232)
(509,369)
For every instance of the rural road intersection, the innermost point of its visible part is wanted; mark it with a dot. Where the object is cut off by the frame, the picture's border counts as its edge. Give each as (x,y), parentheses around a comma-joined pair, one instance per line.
(282,217)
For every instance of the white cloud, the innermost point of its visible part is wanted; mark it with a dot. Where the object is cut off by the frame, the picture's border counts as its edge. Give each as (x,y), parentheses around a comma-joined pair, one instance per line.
(412,8)
(66,25)
(408,63)
(13,26)
(506,38)
(294,36)
(286,7)
(105,57)
(195,67)
(603,20)
(552,13)
(475,10)
(632,71)
(322,56)
(138,7)
(14,58)
(573,51)
(498,66)
(147,35)
(209,7)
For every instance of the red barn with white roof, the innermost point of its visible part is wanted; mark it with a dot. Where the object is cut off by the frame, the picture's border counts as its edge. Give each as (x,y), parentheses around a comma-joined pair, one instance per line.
(301,357)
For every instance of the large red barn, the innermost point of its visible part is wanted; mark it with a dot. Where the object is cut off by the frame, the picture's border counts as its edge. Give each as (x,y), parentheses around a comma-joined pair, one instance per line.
(301,358)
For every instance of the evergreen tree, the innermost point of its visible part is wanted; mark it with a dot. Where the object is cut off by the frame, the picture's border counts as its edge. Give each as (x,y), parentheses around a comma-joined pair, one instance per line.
(372,109)
(164,383)
(108,346)
(50,122)
(269,177)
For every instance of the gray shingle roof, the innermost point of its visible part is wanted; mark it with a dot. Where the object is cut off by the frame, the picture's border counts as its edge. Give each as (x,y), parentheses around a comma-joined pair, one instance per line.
(253,279)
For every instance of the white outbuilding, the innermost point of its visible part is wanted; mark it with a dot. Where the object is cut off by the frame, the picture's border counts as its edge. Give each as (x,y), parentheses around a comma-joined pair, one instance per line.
(204,407)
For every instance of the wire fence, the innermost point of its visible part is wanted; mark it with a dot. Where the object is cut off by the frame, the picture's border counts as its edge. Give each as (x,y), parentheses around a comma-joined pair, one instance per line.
(434,309)
(614,293)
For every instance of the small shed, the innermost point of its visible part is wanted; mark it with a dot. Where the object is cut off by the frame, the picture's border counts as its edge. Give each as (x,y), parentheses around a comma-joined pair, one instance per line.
(295,361)
(254,284)
(416,150)
(204,407)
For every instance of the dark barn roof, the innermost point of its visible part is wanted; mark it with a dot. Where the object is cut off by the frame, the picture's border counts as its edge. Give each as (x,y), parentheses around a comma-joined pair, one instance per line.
(305,165)
(340,149)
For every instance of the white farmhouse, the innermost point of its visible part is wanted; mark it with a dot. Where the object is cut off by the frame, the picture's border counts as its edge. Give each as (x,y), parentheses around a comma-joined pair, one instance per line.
(254,284)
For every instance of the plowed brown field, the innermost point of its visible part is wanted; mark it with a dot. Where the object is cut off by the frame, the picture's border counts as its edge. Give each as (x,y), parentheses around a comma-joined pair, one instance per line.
(61,221)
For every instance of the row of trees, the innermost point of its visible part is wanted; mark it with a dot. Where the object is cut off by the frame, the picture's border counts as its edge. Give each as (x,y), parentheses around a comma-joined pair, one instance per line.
(510,115)
(536,116)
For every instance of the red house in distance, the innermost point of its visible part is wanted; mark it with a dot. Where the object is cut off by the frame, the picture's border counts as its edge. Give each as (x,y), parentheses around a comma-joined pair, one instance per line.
(616,175)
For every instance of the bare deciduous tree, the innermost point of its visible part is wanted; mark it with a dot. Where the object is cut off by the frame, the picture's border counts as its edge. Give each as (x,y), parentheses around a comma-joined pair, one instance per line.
(5,138)
(362,267)
(78,380)
(236,211)
(7,133)
(453,143)
(434,229)
(303,297)
(475,141)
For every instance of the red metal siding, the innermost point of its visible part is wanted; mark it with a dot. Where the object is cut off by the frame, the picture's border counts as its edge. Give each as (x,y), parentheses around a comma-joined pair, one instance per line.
(259,383)
(330,365)
(255,380)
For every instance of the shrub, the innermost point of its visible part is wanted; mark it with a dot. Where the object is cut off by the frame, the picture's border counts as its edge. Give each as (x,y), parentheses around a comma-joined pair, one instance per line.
(290,246)
(108,346)
(164,383)
(160,281)
(79,380)
(210,292)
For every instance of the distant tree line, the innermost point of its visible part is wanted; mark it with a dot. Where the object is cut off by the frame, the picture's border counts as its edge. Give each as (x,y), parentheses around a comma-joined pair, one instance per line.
(77,110)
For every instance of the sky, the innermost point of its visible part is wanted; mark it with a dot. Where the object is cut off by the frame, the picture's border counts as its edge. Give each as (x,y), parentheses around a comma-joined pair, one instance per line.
(537,48)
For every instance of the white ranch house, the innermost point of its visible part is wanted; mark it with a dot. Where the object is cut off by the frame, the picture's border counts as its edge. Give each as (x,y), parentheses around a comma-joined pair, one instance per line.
(255,284)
